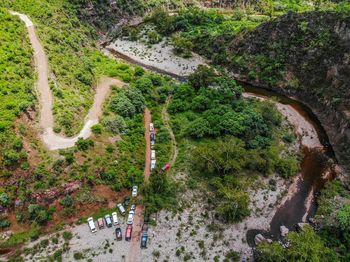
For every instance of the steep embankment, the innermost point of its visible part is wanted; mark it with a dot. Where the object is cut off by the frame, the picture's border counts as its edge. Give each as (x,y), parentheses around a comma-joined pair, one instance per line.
(307,56)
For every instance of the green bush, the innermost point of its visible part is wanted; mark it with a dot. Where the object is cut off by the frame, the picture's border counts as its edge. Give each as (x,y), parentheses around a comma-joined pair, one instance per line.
(115,125)
(96,129)
(84,144)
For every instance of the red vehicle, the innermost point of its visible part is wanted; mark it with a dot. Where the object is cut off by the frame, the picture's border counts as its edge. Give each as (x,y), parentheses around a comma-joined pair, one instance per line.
(128,232)
(100,223)
(166,167)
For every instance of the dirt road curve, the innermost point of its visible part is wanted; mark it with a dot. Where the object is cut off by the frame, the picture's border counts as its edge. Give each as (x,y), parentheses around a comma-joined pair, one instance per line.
(52,140)
(166,121)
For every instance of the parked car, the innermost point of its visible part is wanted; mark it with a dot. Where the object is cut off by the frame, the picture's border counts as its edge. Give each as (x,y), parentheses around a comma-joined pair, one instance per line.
(134,191)
(166,167)
(153,137)
(146,219)
(91,224)
(151,127)
(153,164)
(115,218)
(121,208)
(144,238)
(145,227)
(100,223)
(130,218)
(153,154)
(133,207)
(108,220)
(126,201)
(128,232)
(118,234)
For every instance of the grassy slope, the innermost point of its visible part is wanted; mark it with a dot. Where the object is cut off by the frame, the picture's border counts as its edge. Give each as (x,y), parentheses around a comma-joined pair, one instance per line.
(117,164)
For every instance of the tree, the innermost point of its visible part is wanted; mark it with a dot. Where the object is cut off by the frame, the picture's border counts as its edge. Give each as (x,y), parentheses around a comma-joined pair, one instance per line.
(153,37)
(182,46)
(343,217)
(202,77)
(84,144)
(234,204)
(116,124)
(304,246)
(122,105)
(38,213)
(198,128)
(4,199)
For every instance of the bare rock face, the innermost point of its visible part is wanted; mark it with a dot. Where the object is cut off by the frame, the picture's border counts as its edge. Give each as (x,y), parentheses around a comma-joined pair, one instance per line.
(284,231)
(48,196)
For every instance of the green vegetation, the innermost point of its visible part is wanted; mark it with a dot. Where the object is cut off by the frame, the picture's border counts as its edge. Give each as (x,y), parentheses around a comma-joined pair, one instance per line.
(304,246)
(232,139)
(16,86)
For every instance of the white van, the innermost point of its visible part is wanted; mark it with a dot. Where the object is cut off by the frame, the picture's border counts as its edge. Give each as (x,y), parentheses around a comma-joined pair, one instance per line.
(91,224)
(153,164)
(153,154)
(115,218)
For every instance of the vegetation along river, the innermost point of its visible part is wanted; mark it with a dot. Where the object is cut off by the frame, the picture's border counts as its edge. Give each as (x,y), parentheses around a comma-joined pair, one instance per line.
(317,165)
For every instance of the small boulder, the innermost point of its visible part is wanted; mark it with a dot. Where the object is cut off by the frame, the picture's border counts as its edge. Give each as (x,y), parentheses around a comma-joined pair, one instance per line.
(301,226)
(259,238)
(284,231)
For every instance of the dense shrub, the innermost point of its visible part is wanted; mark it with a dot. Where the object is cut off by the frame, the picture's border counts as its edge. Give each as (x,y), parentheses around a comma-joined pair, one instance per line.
(115,125)
(84,144)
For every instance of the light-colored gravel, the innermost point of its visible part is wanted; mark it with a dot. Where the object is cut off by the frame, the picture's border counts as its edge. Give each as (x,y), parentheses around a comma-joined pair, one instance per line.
(160,56)
(188,229)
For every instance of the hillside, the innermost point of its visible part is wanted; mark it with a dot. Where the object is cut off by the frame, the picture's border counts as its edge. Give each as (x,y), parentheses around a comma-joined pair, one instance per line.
(307,56)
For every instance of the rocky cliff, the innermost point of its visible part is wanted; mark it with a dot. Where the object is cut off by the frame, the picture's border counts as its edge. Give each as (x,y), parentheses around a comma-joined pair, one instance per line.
(304,55)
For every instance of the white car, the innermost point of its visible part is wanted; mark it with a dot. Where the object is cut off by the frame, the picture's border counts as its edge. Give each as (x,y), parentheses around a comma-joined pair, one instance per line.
(133,207)
(153,164)
(91,224)
(153,154)
(121,208)
(151,127)
(115,218)
(134,191)
(130,217)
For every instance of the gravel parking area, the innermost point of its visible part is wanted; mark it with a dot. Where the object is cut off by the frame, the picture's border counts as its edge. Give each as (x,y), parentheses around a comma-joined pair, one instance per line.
(101,246)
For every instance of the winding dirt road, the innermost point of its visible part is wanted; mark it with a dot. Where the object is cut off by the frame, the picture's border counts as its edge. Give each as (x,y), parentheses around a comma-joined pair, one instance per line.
(50,139)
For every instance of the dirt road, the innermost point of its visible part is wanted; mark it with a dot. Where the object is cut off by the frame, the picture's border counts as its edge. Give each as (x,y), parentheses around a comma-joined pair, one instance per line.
(134,253)
(166,121)
(52,140)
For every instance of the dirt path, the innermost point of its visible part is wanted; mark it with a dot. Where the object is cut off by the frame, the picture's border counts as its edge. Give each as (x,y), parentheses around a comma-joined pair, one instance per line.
(166,121)
(134,253)
(52,140)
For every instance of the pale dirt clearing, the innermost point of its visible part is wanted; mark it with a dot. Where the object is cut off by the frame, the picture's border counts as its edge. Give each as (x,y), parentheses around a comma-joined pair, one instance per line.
(159,56)
(50,138)
(201,235)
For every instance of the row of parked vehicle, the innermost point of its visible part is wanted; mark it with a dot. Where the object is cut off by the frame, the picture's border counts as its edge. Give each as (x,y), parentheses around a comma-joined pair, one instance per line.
(153,141)
(109,221)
